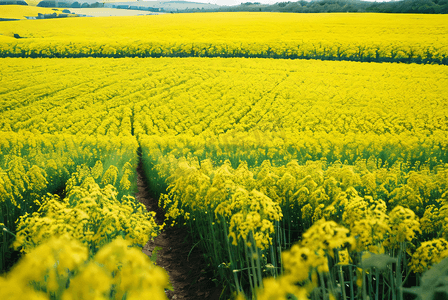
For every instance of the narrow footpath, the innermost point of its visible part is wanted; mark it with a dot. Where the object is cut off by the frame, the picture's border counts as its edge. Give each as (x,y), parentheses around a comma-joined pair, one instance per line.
(185,269)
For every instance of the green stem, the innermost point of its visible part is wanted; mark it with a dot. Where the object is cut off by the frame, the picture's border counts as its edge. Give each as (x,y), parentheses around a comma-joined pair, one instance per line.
(248,264)
(324,292)
(352,292)
(279,245)
(285,240)
(364,285)
(392,284)
(232,262)
(254,269)
(370,283)
(288,221)
(274,261)
(342,282)
(216,257)
(260,278)
(330,278)
(2,258)
(377,289)
(399,275)
(6,230)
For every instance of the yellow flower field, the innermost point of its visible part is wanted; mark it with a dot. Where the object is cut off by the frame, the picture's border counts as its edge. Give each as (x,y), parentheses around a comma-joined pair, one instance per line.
(360,37)
(21,11)
(207,97)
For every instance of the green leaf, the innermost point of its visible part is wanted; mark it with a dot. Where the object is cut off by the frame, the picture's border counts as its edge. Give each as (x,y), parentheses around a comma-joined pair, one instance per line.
(434,283)
(170,286)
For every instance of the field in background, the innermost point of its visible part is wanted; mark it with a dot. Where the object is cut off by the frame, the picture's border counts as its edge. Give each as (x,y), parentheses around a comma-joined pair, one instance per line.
(359,37)
(20,12)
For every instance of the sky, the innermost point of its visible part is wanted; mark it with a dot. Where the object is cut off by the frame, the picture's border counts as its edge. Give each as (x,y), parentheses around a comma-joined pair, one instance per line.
(237,2)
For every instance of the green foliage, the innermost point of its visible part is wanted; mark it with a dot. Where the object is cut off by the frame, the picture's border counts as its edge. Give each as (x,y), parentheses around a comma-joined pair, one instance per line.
(434,283)
(331,6)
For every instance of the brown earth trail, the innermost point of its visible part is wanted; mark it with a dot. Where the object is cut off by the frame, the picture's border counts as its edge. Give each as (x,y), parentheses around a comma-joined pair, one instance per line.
(186,270)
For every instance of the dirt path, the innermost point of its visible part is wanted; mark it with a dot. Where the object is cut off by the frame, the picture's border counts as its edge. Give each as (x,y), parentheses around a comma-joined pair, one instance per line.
(189,279)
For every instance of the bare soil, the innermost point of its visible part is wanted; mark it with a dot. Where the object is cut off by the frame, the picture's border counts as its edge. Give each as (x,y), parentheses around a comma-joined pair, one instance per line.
(184,263)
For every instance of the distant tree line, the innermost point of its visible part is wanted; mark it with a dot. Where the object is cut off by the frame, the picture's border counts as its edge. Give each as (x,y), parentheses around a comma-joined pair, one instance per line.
(69,4)
(302,6)
(326,6)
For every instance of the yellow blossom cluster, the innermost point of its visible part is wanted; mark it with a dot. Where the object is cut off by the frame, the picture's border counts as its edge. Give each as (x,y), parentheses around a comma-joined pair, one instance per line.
(327,236)
(404,225)
(431,222)
(308,192)
(428,254)
(347,194)
(222,192)
(302,261)
(34,164)
(305,262)
(63,268)
(443,213)
(253,218)
(89,214)
(282,288)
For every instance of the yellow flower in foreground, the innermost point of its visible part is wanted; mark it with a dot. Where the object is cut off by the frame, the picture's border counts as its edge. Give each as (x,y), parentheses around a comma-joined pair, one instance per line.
(299,262)
(93,282)
(48,266)
(12,289)
(58,254)
(134,273)
(281,288)
(61,268)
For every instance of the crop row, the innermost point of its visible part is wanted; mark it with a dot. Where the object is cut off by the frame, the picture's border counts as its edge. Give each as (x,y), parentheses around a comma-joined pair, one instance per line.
(66,204)
(262,210)
(358,37)
(244,217)
(330,51)
(33,165)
